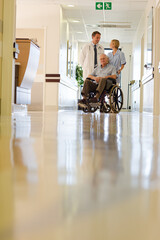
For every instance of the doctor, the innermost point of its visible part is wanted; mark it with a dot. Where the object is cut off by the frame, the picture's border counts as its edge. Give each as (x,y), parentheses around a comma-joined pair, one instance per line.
(89,58)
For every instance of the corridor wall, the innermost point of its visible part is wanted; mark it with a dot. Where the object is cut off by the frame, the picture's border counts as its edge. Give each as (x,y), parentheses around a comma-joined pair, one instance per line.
(147,93)
(67,65)
(60,90)
(47,17)
(136,65)
(1,32)
(8,14)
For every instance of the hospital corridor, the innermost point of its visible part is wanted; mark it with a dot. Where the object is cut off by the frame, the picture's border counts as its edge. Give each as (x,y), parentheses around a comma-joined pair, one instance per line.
(70,175)
(79,120)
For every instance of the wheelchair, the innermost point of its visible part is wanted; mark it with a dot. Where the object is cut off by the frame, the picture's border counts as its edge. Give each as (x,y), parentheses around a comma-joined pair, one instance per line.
(111,100)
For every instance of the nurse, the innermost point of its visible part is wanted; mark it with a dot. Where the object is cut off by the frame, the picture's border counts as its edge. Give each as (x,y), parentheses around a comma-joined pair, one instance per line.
(117,58)
(89,57)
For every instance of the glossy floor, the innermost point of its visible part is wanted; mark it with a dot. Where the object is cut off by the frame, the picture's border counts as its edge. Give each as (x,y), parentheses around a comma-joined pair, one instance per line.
(73,176)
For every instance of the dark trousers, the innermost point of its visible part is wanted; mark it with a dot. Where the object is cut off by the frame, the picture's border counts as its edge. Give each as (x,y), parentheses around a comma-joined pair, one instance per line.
(90,86)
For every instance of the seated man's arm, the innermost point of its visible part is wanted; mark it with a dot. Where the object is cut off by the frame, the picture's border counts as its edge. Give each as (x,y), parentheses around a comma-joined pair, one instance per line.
(97,79)
(92,77)
(111,76)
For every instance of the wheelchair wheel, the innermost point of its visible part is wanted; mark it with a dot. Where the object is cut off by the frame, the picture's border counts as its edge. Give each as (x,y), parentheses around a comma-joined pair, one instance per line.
(85,109)
(116,99)
(92,110)
(105,108)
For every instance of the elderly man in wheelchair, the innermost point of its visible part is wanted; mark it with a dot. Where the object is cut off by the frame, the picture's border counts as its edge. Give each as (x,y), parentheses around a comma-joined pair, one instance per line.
(100,89)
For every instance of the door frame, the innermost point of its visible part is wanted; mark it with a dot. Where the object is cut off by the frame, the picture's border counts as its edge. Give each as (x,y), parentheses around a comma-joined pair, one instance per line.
(8,63)
(142,73)
(156,103)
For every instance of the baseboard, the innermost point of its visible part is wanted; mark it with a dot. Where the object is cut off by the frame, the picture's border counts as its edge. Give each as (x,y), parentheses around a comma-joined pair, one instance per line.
(35,107)
(51,108)
(67,107)
(19,108)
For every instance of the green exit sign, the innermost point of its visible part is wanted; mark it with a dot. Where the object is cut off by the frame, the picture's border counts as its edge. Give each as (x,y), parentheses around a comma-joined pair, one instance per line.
(107,6)
(99,5)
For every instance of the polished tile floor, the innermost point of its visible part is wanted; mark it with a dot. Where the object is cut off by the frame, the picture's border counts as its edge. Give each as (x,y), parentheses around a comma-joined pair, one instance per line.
(68,175)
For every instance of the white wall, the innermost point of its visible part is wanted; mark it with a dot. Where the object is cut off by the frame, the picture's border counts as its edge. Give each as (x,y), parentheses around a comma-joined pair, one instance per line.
(137,49)
(149,88)
(42,15)
(46,16)
(126,73)
(57,32)
(136,63)
(68,85)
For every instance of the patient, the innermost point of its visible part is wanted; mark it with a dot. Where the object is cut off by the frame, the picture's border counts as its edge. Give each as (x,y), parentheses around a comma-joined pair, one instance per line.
(98,80)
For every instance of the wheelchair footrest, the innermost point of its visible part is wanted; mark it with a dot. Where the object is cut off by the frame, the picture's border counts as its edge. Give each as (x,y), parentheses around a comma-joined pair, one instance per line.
(95,105)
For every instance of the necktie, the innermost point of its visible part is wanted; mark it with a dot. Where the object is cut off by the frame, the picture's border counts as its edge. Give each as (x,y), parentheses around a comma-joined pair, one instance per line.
(95,56)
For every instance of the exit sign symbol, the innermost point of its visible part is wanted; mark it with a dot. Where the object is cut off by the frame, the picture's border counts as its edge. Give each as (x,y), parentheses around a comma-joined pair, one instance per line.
(108,6)
(99,5)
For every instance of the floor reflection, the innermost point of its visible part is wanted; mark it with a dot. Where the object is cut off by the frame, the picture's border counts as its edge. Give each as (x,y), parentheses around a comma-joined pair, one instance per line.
(89,157)
(24,155)
(88,143)
(64,173)
(141,149)
(6,181)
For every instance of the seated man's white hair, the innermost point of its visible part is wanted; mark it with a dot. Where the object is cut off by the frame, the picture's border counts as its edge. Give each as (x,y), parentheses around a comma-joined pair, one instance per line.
(103,54)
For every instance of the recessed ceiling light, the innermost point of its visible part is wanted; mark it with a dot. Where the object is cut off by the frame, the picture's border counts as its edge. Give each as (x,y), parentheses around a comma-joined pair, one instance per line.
(70,5)
(104,22)
(75,21)
(91,25)
(80,32)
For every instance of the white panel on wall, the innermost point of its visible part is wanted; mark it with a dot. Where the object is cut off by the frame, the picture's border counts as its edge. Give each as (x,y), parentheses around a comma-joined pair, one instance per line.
(148,96)
(67,87)
(37,96)
(67,96)
(126,72)
(136,99)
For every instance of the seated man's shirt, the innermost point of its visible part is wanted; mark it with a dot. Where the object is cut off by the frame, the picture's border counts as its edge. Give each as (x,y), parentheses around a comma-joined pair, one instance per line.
(103,72)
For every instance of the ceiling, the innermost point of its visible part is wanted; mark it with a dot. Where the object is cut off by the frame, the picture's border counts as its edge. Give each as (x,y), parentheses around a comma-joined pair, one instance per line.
(120,22)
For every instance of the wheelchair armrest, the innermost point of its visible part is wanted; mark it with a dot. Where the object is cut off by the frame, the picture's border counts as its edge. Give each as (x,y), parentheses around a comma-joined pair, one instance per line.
(90,79)
(113,80)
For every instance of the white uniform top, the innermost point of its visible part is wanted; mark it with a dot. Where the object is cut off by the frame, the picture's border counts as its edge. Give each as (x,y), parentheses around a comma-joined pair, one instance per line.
(87,58)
